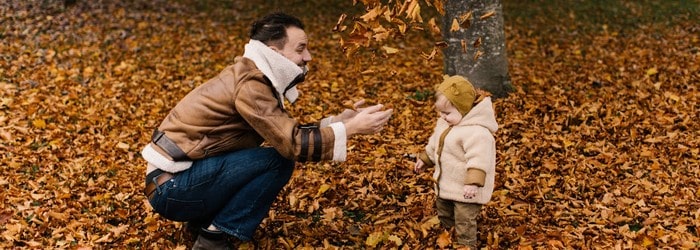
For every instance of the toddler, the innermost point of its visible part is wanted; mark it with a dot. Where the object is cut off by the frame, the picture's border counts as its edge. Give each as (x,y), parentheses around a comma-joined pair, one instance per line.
(463,150)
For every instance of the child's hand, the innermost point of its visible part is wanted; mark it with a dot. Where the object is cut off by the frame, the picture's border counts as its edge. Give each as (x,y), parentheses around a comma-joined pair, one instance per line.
(418,167)
(470,191)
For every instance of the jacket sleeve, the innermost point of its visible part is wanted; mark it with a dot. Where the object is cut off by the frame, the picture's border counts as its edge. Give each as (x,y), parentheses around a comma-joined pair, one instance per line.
(259,106)
(433,142)
(481,156)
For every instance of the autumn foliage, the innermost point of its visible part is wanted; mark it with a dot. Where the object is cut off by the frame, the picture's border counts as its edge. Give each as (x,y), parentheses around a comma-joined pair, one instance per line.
(597,147)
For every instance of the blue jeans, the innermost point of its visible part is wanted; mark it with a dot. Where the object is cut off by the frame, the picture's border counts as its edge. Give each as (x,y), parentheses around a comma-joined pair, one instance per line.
(233,191)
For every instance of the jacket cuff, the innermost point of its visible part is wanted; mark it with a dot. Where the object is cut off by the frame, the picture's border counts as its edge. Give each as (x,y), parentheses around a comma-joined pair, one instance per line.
(340,147)
(153,157)
(424,157)
(476,177)
(325,122)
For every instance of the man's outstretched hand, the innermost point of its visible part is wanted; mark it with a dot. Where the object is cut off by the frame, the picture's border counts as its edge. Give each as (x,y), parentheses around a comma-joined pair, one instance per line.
(368,120)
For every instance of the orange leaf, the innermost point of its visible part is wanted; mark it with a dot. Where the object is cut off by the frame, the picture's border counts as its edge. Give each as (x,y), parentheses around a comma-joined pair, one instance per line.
(455,25)
(39,123)
(444,239)
(487,15)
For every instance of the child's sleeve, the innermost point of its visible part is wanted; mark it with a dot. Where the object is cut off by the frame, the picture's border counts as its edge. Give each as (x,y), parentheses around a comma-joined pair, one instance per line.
(480,153)
(475,177)
(423,156)
(430,147)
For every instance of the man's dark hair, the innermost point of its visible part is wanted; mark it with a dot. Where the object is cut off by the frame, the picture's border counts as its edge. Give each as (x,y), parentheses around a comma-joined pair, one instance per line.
(272,29)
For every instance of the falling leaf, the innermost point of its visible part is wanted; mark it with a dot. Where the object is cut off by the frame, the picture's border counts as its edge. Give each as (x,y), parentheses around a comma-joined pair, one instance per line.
(434,28)
(477,54)
(430,56)
(338,26)
(465,20)
(487,15)
(455,25)
(413,12)
(477,42)
(372,14)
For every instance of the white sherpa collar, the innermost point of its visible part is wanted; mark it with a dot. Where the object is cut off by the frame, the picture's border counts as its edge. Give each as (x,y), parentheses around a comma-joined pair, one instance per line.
(280,70)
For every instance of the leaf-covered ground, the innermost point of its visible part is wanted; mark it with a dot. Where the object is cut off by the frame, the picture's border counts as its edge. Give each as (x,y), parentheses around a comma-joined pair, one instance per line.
(597,148)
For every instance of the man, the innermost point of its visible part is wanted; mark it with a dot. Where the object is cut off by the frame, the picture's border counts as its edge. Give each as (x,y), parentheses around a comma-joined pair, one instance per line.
(206,165)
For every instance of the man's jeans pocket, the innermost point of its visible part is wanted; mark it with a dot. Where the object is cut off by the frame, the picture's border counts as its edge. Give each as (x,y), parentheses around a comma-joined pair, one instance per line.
(180,210)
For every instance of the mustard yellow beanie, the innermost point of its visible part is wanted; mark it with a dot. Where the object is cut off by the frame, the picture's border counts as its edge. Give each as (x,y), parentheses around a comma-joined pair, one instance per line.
(459,91)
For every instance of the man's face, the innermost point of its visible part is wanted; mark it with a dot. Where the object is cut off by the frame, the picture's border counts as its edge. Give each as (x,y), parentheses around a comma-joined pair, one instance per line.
(296,49)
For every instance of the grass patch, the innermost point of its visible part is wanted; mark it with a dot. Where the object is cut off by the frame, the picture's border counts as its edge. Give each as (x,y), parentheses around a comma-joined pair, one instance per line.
(591,15)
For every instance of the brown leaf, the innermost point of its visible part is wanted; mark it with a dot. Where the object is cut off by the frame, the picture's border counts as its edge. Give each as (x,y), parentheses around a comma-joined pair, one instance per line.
(465,20)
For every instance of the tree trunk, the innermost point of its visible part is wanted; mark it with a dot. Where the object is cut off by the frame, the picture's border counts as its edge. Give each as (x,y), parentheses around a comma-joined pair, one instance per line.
(477,50)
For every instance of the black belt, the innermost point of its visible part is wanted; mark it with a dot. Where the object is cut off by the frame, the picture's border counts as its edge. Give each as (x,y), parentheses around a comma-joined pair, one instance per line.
(154,179)
(159,138)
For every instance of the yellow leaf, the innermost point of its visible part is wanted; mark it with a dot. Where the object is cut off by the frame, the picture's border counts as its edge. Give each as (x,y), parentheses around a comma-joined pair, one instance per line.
(380,152)
(12,231)
(55,143)
(501,192)
(39,123)
(647,241)
(323,189)
(430,223)
(374,238)
(390,50)
(396,240)
(293,200)
(88,71)
(672,96)
(142,25)
(123,146)
(652,71)
(567,143)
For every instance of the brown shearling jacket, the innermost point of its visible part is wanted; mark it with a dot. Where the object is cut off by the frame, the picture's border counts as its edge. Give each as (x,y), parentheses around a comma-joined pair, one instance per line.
(240,109)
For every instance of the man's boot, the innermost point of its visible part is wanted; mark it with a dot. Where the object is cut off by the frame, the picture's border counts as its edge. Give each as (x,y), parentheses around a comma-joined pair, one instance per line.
(211,240)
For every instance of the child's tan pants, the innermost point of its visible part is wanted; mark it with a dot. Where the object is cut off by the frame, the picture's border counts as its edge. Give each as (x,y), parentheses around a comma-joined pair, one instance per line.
(461,216)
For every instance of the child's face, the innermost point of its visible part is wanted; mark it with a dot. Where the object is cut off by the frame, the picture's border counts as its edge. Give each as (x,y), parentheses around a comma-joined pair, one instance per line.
(447,111)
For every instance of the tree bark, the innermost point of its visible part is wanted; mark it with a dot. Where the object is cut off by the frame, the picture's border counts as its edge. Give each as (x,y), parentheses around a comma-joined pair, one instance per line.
(484,63)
